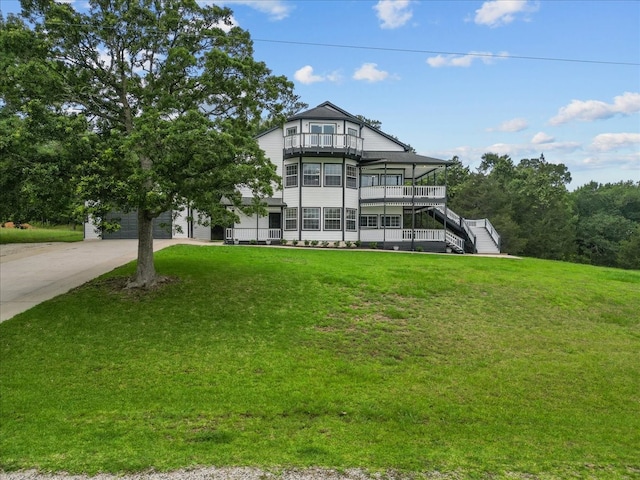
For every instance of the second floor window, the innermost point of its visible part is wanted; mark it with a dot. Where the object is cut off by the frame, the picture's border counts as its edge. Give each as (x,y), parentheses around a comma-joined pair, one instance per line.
(369,180)
(332,175)
(291,175)
(311,174)
(352,176)
(352,214)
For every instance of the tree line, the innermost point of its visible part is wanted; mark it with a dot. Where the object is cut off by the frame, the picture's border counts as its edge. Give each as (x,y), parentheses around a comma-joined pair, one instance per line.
(537,216)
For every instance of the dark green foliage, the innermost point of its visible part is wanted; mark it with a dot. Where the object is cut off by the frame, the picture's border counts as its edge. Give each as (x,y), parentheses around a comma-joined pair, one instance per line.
(173,97)
(528,204)
(608,223)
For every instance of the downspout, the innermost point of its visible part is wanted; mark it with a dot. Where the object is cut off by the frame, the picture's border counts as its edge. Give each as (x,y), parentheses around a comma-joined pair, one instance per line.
(446,214)
(384,209)
(359,212)
(344,196)
(300,181)
(413,206)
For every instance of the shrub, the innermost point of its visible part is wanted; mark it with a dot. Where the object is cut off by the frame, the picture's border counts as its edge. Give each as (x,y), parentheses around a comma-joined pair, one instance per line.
(373,245)
(325,244)
(314,242)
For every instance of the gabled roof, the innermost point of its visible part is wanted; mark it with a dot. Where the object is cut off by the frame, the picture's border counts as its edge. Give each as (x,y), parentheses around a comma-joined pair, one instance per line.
(326,111)
(329,111)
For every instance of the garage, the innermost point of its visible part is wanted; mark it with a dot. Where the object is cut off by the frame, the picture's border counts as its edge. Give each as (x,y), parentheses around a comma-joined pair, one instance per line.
(129,226)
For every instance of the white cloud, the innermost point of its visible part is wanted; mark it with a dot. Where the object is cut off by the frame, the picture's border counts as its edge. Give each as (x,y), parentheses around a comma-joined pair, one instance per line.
(370,73)
(613,141)
(513,125)
(276,9)
(306,76)
(542,138)
(495,13)
(589,110)
(487,58)
(393,13)
(610,161)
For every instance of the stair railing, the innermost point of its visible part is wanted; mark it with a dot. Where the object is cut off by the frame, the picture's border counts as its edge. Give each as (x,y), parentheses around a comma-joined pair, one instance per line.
(462,222)
(492,231)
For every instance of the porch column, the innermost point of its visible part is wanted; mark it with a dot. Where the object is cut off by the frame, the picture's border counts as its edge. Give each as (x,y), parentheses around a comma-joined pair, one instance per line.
(300,181)
(384,209)
(444,223)
(413,206)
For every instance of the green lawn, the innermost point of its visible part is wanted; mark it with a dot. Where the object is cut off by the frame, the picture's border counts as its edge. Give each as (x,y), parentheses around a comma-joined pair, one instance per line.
(289,357)
(36,235)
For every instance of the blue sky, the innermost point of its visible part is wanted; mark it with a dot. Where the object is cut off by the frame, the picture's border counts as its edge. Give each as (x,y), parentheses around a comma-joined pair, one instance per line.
(468,77)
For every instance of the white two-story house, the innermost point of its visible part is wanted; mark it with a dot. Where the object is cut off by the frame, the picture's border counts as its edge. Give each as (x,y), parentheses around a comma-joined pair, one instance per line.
(346,181)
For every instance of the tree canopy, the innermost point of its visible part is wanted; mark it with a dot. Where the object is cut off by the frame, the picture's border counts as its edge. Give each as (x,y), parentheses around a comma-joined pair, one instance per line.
(172,96)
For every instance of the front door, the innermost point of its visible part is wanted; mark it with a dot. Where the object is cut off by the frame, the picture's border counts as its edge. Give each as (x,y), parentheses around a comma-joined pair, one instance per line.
(275,220)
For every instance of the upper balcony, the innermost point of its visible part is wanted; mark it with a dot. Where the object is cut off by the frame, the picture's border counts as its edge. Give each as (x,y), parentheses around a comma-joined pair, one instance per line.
(322,144)
(403,195)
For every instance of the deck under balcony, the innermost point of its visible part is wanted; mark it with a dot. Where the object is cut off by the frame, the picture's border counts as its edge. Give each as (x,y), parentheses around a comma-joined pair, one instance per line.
(322,144)
(407,195)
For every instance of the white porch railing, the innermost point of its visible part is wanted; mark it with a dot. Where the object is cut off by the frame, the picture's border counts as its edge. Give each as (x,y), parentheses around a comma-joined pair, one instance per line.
(248,234)
(402,235)
(403,191)
(308,141)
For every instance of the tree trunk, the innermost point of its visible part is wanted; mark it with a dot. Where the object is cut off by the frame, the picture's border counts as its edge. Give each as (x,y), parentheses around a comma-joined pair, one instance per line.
(145,271)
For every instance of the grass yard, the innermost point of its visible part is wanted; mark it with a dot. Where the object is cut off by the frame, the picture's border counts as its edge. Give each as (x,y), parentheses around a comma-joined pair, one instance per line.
(288,357)
(40,234)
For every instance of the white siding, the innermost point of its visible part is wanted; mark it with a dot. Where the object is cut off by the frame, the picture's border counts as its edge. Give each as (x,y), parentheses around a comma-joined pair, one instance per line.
(272,144)
(201,232)
(373,140)
(90,229)
(180,220)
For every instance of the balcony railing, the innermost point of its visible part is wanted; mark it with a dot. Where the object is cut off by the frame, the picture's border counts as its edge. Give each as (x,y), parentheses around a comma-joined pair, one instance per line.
(323,142)
(403,192)
(248,234)
(402,235)
(407,235)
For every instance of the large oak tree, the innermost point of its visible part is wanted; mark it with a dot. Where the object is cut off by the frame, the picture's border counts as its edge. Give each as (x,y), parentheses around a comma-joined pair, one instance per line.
(173,95)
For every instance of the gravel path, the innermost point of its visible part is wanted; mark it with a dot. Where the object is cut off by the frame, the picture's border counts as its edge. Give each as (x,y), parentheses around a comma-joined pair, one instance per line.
(233,473)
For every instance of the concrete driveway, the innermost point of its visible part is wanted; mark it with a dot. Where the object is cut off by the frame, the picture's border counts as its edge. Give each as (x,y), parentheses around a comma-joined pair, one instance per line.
(33,273)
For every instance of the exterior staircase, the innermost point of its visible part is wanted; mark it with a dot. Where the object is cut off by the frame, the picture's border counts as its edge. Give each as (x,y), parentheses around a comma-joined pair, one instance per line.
(478,236)
(485,240)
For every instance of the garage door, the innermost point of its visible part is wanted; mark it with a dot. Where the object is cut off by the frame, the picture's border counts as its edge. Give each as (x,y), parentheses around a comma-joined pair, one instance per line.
(129,226)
